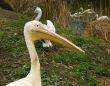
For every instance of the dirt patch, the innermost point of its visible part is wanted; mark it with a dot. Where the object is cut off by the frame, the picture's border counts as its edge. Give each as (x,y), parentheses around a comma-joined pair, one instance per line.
(7,16)
(103,81)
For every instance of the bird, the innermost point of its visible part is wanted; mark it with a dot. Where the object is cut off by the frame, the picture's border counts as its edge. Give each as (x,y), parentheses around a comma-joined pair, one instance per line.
(101,17)
(39,11)
(88,11)
(50,26)
(34,31)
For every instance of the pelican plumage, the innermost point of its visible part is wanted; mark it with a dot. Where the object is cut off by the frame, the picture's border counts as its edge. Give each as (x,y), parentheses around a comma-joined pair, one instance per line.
(34,31)
(50,26)
(101,17)
(39,11)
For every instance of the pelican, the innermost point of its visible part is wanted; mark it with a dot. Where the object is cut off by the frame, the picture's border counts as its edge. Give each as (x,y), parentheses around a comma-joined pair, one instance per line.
(101,17)
(39,11)
(34,31)
(49,26)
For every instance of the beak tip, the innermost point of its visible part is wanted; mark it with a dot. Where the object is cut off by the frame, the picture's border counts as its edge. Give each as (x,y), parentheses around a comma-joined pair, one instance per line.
(84,52)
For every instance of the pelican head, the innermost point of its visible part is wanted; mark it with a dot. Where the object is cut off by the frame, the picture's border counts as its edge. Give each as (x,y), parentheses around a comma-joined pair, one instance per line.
(37,31)
(38,10)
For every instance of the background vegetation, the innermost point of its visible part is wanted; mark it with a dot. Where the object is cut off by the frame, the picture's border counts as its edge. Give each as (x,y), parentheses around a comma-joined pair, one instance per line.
(57,10)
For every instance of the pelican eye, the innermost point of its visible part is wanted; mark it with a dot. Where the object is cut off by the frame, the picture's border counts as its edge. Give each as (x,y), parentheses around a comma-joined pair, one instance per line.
(37,25)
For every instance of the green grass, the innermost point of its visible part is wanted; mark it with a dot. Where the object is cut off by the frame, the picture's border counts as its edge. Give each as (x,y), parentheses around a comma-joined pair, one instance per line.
(58,67)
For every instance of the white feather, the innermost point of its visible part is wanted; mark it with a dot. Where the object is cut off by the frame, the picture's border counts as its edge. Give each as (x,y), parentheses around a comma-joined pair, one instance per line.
(51,26)
(102,17)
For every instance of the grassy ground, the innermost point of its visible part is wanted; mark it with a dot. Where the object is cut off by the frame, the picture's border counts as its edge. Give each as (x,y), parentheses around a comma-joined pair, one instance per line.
(59,67)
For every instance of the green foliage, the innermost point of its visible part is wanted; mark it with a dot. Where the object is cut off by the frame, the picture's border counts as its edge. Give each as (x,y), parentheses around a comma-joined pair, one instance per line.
(19,72)
(100,70)
(19,24)
(69,58)
(1,35)
(11,42)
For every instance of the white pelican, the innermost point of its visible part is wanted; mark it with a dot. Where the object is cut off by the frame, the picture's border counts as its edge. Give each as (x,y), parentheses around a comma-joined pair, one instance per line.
(102,17)
(34,31)
(49,26)
(39,11)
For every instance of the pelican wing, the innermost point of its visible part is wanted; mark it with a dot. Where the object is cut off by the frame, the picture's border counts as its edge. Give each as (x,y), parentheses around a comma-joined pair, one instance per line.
(51,26)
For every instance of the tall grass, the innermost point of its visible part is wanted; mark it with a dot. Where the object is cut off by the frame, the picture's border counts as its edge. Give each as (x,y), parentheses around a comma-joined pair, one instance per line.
(55,10)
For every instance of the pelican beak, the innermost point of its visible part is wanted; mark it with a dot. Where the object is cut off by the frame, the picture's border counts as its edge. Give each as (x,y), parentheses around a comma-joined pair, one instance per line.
(33,17)
(43,33)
